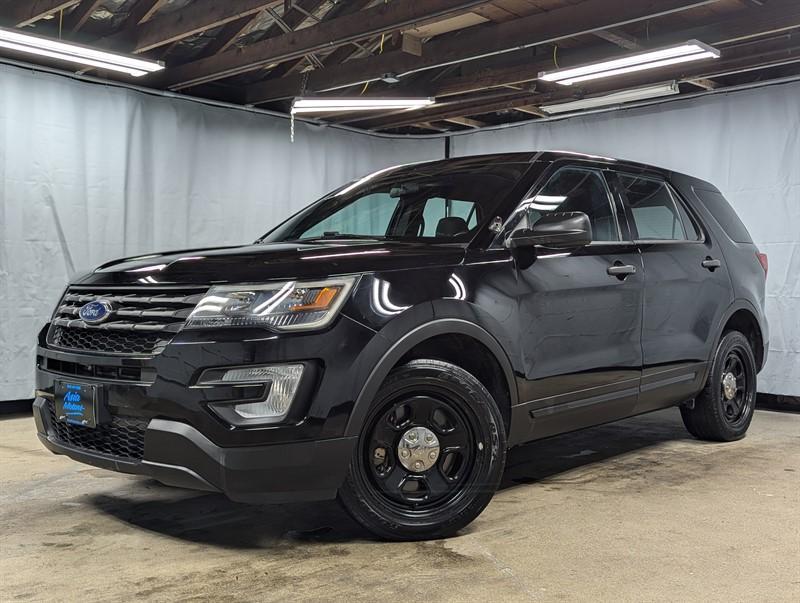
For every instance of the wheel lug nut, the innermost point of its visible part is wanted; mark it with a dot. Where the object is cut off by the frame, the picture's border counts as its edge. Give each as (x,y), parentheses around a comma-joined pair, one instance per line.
(418,465)
(404,453)
(432,455)
(429,437)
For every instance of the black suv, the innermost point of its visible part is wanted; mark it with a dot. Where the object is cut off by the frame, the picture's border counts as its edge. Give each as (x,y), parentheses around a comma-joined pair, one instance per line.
(390,342)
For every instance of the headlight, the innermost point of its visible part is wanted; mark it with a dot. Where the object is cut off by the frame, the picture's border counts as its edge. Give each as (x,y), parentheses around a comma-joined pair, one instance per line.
(289,306)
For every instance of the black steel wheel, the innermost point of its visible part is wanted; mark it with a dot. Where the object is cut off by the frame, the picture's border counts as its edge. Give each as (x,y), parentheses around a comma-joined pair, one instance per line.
(430,455)
(724,409)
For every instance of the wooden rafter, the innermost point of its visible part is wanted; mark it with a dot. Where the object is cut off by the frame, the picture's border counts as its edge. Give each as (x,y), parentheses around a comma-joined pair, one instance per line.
(24,13)
(557,24)
(337,56)
(770,54)
(142,12)
(369,22)
(465,121)
(226,37)
(80,15)
(620,38)
(762,23)
(197,17)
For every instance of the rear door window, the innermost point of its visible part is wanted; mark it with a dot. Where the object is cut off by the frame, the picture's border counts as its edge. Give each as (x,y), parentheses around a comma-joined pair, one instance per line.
(657,214)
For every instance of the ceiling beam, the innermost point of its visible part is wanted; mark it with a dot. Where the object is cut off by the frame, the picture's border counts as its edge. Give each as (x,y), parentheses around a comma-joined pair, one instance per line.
(380,19)
(466,121)
(228,35)
(197,17)
(141,12)
(80,15)
(705,83)
(762,22)
(774,17)
(770,55)
(531,110)
(619,38)
(337,56)
(524,32)
(20,14)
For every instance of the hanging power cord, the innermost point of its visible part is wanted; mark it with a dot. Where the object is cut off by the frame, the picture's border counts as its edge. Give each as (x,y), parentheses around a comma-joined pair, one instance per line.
(383,36)
(60,22)
(555,56)
(380,51)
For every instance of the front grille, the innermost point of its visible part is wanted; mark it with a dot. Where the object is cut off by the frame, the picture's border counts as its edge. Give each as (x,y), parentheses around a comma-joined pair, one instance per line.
(123,437)
(141,322)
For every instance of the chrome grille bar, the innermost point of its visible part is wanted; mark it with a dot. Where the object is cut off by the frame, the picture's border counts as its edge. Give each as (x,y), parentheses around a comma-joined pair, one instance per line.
(150,315)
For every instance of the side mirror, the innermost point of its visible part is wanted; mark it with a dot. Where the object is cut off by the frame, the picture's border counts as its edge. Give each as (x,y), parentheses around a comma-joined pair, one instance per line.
(564,230)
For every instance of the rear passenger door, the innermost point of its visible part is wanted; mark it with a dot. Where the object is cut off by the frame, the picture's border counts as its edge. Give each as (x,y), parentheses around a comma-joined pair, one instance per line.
(686,289)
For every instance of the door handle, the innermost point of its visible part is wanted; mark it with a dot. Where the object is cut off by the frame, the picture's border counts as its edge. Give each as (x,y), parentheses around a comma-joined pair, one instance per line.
(710,263)
(620,270)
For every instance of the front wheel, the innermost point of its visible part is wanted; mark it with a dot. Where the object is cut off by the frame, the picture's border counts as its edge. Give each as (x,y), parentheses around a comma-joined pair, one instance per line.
(723,410)
(430,455)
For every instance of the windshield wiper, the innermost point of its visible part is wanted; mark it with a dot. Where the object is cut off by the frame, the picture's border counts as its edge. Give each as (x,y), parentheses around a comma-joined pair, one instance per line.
(334,236)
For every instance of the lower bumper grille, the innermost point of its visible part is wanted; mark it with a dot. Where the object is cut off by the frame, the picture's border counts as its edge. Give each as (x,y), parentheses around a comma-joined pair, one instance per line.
(123,437)
(132,374)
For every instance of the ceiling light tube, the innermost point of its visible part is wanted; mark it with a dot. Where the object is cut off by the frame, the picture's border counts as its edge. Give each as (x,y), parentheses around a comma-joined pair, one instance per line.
(75,53)
(324,105)
(693,50)
(616,98)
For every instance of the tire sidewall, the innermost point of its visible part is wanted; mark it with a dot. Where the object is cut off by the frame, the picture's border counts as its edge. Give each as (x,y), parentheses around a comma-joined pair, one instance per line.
(359,495)
(733,341)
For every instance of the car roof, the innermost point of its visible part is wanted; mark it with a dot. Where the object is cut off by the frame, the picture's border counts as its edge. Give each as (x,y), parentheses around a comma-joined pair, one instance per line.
(553,155)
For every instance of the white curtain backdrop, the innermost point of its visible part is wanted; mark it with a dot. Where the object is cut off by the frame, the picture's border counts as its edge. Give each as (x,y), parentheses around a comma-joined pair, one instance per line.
(747,143)
(90,172)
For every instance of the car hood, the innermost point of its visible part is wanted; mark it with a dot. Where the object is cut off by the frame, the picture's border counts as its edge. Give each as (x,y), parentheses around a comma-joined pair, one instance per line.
(270,261)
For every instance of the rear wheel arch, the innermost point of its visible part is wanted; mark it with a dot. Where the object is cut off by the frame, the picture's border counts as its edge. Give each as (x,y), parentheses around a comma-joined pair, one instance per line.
(438,340)
(741,316)
(745,321)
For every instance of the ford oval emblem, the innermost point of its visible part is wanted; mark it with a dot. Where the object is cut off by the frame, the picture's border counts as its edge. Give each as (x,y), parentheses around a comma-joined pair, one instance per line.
(96,311)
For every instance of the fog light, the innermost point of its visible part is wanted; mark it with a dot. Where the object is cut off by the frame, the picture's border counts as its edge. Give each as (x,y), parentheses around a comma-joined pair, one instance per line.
(283,380)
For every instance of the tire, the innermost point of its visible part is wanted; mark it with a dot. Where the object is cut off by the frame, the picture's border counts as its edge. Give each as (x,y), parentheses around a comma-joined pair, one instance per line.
(396,501)
(715,417)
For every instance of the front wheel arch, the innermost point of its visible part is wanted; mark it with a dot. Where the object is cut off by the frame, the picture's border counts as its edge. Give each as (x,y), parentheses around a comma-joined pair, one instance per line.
(416,337)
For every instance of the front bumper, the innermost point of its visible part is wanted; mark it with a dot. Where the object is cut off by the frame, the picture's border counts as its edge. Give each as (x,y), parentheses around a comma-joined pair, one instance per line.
(179,455)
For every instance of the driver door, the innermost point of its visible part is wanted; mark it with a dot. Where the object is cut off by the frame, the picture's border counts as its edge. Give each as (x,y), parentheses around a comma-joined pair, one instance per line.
(580,310)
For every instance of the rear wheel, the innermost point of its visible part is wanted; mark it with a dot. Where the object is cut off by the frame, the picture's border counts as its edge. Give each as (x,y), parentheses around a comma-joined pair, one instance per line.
(430,455)
(723,410)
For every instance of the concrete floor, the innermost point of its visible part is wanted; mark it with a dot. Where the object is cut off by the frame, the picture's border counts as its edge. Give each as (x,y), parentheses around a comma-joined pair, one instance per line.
(635,511)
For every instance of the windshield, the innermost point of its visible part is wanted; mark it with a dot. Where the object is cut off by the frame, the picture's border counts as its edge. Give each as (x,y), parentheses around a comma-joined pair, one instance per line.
(442,202)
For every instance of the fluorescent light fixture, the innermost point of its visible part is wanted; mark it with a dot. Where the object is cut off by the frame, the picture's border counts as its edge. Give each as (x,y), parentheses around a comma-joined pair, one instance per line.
(75,53)
(616,98)
(330,104)
(693,50)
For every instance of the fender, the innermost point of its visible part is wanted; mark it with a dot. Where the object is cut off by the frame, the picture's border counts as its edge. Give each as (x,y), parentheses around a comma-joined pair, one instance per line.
(443,326)
(738,304)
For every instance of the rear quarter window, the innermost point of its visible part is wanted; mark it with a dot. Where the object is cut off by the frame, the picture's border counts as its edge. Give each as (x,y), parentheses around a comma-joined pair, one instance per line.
(724,214)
